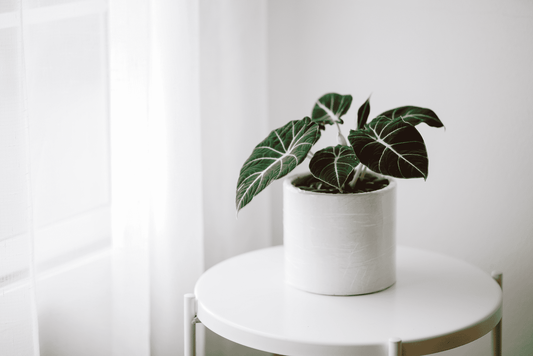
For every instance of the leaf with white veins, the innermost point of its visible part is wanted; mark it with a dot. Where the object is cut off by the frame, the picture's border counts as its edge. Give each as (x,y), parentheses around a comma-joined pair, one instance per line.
(413,115)
(330,108)
(333,165)
(391,147)
(276,156)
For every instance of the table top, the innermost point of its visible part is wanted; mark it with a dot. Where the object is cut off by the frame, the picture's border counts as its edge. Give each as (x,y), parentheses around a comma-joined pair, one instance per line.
(437,303)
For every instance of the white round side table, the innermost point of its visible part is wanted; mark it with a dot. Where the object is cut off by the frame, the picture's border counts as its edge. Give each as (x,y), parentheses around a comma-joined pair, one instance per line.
(438,303)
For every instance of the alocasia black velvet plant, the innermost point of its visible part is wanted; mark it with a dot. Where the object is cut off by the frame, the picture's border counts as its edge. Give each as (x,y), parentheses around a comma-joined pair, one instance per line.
(390,145)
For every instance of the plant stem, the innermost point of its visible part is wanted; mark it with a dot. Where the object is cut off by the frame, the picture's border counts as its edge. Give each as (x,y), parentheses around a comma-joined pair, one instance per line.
(363,172)
(341,140)
(356,175)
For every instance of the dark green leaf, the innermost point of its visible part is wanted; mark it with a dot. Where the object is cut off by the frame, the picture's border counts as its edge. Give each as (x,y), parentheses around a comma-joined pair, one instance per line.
(333,165)
(391,147)
(413,115)
(330,108)
(362,114)
(278,154)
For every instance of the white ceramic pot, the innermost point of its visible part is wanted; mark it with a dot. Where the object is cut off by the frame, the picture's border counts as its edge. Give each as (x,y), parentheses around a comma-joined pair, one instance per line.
(339,244)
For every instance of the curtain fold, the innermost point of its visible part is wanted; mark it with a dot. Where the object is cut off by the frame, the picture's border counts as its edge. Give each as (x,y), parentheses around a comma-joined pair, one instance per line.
(176,247)
(157,173)
(129,59)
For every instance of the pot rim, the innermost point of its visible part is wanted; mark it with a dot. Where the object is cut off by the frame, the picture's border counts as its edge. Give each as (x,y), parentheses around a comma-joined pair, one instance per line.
(287,184)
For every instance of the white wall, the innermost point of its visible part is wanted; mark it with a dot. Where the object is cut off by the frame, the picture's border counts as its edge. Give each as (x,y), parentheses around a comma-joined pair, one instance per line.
(471,62)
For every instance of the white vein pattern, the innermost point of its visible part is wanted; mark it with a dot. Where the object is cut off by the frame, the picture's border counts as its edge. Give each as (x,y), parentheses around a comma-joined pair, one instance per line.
(332,115)
(391,135)
(413,115)
(333,165)
(289,145)
(389,147)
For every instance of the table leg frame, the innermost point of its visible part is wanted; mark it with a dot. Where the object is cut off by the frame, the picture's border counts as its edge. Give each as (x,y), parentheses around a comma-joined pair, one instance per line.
(189,324)
(497,331)
(395,346)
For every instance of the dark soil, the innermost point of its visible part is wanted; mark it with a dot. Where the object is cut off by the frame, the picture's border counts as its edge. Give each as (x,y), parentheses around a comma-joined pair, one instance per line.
(368,183)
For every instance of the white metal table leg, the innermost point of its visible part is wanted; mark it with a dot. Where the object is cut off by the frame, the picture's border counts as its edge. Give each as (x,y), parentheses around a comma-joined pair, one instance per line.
(395,346)
(189,324)
(497,331)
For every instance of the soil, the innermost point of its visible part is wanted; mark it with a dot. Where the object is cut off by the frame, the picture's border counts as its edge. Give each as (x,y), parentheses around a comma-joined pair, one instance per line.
(366,184)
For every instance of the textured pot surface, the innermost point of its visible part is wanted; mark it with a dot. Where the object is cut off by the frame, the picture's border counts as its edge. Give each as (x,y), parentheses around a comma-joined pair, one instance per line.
(339,244)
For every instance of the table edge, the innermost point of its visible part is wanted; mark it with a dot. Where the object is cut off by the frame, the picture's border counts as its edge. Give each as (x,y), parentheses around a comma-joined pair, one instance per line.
(272,343)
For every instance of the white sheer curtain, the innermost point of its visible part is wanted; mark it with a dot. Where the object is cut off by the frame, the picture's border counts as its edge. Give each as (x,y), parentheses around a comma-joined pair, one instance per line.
(191,74)
(54,204)
(18,330)
(155,115)
(124,124)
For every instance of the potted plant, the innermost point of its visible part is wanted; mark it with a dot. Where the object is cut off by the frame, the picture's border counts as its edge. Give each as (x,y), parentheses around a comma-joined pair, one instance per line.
(340,219)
